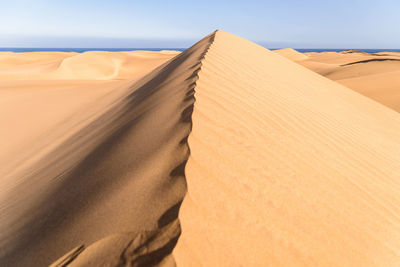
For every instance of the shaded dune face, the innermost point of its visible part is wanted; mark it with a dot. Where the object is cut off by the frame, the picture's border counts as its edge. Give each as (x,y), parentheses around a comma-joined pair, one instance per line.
(117,178)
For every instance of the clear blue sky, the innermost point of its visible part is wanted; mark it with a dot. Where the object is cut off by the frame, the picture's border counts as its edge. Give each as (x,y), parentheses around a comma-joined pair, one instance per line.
(179,23)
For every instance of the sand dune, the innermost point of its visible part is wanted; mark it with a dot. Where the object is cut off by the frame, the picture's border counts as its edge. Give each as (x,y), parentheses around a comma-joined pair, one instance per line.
(286,167)
(10,59)
(382,87)
(92,65)
(291,54)
(373,75)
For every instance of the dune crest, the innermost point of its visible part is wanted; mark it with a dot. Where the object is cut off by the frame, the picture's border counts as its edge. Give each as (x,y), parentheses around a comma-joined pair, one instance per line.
(287,168)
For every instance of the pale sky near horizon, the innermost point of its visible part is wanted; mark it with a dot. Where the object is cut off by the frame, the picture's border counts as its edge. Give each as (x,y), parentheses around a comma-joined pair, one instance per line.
(179,23)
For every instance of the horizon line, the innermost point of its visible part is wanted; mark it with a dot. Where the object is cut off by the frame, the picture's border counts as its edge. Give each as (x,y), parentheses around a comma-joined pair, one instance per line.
(171,48)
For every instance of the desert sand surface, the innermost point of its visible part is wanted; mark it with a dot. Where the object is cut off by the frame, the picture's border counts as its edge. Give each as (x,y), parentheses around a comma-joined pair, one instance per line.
(374,75)
(227,154)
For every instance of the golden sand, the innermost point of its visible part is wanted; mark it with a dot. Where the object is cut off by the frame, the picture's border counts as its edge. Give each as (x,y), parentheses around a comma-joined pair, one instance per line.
(276,165)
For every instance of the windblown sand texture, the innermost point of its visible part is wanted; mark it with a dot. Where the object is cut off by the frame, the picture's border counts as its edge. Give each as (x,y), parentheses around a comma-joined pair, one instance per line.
(276,165)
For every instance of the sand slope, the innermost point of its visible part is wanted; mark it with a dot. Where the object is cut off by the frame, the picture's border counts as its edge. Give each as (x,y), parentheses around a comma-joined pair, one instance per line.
(287,168)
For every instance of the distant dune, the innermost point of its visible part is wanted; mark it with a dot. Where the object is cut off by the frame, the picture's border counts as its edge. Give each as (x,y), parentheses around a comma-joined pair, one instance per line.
(374,75)
(92,65)
(226,154)
(291,54)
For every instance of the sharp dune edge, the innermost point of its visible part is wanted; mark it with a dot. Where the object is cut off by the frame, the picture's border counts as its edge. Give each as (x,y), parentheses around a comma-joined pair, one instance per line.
(286,168)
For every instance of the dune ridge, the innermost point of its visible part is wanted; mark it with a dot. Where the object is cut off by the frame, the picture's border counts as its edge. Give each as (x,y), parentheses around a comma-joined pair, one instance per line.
(287,168)
(112,174)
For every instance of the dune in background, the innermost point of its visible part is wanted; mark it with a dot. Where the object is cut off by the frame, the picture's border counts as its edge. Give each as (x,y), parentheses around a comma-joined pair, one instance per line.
(291,54)
(227,154)
(91,65)
(374,75)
